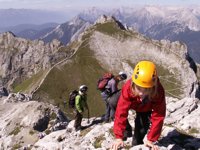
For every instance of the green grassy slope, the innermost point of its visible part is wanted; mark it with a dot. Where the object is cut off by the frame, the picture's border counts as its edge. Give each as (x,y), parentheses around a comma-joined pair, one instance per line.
(83,68)
(29,84)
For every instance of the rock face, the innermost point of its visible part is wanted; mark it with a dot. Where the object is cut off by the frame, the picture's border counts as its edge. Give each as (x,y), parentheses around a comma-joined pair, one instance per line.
(17,97)
(3,91)
(21,130)
(22,58)
(115,53)
(17,121)
(67,31)
(23,120)
(183,114)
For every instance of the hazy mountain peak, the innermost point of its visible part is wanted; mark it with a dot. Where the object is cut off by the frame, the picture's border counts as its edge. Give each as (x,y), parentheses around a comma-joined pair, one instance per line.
(103,18)
(188,18)
(93,10)
(155,11)
(67,31)
(76,20)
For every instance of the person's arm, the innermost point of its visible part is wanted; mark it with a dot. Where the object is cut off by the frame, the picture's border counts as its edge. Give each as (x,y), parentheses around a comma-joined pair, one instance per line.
(113,86)
(78,104)
(157,119)
(121,114)
(157,116)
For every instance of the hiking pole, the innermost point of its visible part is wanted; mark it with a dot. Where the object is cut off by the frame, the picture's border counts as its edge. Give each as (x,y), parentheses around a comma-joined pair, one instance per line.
(88,121)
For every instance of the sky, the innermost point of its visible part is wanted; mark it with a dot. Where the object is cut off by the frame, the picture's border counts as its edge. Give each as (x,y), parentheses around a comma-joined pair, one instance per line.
(82,4)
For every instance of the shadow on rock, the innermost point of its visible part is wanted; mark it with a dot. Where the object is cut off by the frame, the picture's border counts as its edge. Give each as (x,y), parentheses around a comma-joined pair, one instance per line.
(95,121)
(180,141)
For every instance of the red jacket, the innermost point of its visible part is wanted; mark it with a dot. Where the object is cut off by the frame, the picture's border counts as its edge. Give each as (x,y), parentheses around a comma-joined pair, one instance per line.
(128,101)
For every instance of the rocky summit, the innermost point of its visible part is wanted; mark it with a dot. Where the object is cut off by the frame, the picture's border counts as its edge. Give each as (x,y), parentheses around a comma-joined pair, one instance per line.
(36,79)
(29,124)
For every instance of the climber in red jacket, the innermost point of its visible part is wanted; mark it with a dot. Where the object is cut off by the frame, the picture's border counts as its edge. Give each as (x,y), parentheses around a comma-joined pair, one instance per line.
(144,94)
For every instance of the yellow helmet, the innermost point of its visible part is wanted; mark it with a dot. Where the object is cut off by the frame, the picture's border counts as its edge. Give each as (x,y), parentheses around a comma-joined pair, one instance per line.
(144,74)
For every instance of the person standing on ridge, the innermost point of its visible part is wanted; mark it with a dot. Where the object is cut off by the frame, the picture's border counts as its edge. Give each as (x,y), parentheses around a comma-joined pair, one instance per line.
(80,104)
(111,90)
(144,94)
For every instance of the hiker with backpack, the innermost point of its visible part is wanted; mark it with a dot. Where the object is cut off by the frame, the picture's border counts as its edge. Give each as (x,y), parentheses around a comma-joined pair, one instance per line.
(80,104)
(144,94)
(109,90)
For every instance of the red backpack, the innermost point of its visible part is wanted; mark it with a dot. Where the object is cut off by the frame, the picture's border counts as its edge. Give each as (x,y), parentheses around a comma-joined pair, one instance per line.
(103,81)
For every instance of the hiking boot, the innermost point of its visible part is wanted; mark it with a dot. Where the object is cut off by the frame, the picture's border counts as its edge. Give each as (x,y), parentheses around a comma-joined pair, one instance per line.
(106,121)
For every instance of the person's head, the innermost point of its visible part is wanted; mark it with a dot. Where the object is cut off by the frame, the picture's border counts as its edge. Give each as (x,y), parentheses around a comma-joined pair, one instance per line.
(83,89)
(144,78)
(122,76)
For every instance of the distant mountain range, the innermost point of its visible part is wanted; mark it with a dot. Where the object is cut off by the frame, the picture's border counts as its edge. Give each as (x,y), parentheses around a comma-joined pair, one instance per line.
(143,17)
(157,22)
(64,32)
(23,27)
(30,31)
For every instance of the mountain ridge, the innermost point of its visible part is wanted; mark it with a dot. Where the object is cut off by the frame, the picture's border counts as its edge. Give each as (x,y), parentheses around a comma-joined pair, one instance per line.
(143,18)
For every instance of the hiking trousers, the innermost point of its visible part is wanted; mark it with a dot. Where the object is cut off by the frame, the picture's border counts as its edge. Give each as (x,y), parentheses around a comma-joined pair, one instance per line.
(142,124)
(112,101)
(109,112)
(78,119)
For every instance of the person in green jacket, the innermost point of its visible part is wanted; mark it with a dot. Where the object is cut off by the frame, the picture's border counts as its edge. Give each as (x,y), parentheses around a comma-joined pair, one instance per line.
(80,104)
